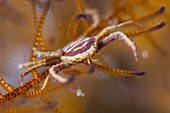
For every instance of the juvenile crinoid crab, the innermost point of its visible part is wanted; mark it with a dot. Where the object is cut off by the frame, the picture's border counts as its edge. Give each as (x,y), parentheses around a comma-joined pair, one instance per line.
(82,50)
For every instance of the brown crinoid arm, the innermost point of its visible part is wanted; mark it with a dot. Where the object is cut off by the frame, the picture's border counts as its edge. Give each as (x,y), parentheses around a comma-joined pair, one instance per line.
(118,15)
(22,89)
(77,18)
(151,15)
(5,85)
(79,8)
(39,25)
(118,71)
(75,21)
(40,92)
(141,31)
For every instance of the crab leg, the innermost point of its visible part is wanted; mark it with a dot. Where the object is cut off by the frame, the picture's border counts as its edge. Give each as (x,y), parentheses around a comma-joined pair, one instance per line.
(119,36)
(110,29)
(20,66)
(29,64)
(34,67)
(57,53)
(53,73)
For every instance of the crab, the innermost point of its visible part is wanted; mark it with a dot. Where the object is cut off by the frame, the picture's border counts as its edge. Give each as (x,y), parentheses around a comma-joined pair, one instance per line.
(81,51)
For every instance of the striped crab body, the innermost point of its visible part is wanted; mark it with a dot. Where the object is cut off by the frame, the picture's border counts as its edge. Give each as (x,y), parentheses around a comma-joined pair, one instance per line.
(79,50)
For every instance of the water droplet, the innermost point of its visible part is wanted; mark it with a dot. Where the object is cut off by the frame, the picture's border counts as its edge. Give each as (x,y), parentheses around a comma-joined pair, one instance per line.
(145,54)
(79,93)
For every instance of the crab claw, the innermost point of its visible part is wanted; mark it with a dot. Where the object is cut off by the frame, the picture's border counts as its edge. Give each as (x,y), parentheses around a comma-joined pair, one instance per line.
(128,42)
(59,79)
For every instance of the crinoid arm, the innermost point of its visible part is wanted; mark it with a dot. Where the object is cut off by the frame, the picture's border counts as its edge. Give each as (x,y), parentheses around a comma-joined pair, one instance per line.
(5,85)
(152,15)
(95,18)
(145,30)
(119,71)
(39,25)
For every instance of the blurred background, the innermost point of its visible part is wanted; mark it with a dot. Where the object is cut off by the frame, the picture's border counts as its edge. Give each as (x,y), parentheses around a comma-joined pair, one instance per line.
(104,92)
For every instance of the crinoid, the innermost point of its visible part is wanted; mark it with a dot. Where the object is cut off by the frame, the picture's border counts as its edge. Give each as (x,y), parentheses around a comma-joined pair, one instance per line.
(80,51)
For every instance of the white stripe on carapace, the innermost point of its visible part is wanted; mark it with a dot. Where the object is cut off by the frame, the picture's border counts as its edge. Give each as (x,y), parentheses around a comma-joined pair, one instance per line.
(79,57)
(74,44)
(80,46)
(56,76)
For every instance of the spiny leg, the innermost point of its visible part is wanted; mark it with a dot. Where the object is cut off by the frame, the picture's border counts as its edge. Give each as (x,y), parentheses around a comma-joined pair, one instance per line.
(26,72)
(110,29)
(35,67)
(29,64)
(20,66)
(57,53)
(119,36)
(53,74)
